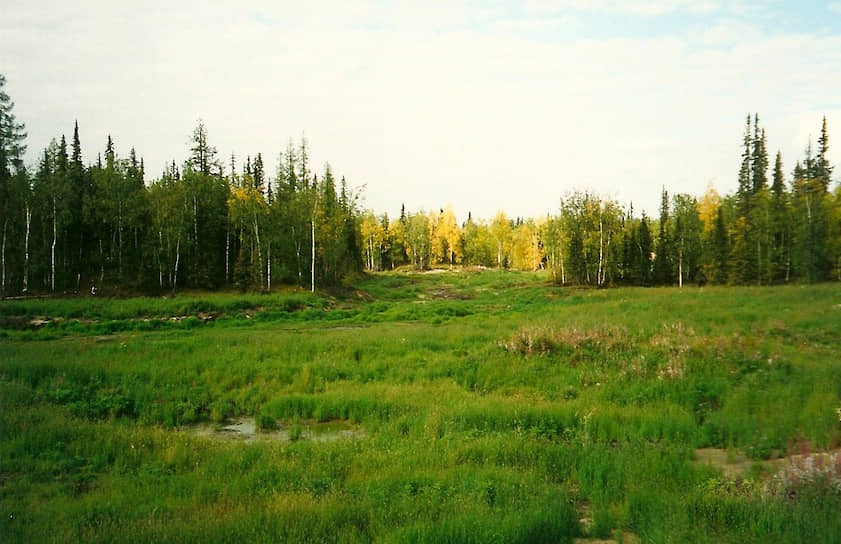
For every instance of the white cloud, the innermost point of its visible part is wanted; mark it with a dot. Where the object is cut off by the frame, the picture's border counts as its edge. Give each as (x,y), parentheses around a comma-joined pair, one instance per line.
(420,105)
(727,33)
(643,8)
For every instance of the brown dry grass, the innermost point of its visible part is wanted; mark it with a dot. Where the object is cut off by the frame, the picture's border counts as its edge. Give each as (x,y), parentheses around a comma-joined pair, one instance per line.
(538,340)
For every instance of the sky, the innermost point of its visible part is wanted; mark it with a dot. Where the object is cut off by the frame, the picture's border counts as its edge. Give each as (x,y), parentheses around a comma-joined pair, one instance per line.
(484,106)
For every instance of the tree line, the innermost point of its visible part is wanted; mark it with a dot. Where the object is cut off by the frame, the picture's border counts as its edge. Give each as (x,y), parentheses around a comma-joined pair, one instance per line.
(69,226)
(767,232)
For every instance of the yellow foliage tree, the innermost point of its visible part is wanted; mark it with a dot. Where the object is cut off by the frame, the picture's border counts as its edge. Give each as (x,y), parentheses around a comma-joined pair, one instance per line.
(501,235)
(373,235)
(525,247)
(708,207)
(446,237)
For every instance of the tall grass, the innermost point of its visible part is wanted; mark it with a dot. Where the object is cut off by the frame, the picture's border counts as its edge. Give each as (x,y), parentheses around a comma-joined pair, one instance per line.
(494,406)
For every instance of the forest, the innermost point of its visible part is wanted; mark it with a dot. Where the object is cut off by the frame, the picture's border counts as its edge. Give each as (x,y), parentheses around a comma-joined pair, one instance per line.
(97,220)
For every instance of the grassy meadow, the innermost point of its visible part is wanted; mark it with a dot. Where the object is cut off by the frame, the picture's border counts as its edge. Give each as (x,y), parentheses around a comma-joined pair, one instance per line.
(476,406)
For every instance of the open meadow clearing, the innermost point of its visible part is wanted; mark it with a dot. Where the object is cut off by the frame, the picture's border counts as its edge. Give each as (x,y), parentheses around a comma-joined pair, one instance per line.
(452,406)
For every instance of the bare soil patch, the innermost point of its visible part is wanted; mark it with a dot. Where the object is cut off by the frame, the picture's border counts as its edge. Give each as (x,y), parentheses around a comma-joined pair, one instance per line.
(448,293)
(735,464)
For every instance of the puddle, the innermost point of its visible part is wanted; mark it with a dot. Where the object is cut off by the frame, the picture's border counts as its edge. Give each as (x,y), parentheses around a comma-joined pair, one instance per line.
(245,430)
(626,538)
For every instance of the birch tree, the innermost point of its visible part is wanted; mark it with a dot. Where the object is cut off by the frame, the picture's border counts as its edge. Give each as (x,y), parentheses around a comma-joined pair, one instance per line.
(446,237)
(500,230)
(249,210)
(554,249)
(686,235)
(418,239)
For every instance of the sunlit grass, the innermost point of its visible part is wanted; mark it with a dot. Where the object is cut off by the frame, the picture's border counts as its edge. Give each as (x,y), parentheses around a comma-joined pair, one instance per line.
(495,407)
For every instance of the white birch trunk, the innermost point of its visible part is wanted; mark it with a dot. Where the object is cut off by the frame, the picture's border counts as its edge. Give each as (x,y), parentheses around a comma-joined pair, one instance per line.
(160,265)
(561,255)
(607,251)
(227,250)
(259,252)
(3,258)
(120,238)
(52,251)
(297,255)
(312,268)
(26,249)
(811,242)
(195,222)
(601,253)
(81,256)
(177,259)
(680,269)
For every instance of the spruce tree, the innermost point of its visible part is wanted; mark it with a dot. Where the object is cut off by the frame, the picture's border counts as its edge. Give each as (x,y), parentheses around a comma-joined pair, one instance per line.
(258,172)
(643,272)
(778,185)
(759,158)
(134,173)
(808,162)
(780,250)
(13,195)
(12,136)
(290,167)
(304,162)
(76,166)
(202,154)
(664,254)
(80,193)
(745,188)
(721,250)
(811,217)
(823,170)
(745,251)
(629,249)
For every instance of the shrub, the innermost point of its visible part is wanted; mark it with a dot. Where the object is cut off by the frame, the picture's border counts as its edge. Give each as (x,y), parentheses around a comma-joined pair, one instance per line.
(817,472)
(547,340)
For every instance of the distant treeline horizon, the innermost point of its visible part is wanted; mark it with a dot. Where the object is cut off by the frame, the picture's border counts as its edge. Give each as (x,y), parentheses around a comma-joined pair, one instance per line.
(68,226)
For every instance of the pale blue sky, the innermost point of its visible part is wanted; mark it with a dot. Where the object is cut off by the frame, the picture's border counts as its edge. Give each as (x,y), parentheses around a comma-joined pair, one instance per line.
(482,105)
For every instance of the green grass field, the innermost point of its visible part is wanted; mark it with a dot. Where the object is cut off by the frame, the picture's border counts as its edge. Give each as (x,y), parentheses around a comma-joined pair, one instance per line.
(454,407)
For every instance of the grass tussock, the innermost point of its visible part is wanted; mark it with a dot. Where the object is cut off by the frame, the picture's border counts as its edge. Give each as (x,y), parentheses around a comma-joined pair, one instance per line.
(544,340)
